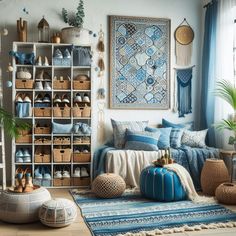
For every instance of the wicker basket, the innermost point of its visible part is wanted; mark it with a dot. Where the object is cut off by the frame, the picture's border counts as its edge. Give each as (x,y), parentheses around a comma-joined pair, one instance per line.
(61,111)
(42,111)
(42,158)
(108,186)
(24,84)
(82,157)
(77,112)
(61,84)
(62,155)
(57,182)
(25,132)
(84,181)
(214,173)
(42,130)
(81,85)
(61,141)
(226,193)
(24,139)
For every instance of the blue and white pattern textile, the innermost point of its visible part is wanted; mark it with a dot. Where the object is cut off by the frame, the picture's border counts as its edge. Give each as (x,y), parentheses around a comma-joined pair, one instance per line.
(186,125)
(175,137)
(143,140)
(194,138)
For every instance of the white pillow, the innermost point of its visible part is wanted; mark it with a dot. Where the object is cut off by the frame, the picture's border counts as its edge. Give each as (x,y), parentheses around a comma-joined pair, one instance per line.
(194,138)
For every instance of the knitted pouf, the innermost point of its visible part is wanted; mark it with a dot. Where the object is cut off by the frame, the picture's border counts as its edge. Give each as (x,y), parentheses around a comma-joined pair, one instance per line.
(22,207)
(58,212)
(108,186)
(214,173)
(161,184)
(226,193)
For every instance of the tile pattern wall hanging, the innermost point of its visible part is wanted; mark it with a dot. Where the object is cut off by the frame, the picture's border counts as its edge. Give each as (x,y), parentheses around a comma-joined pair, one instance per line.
(139,63)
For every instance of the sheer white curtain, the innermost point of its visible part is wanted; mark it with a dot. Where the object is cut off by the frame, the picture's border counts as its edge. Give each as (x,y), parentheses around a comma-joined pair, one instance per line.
(224,61)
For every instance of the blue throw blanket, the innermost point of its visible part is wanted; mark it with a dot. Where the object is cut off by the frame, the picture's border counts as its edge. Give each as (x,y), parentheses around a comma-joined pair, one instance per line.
(190,158)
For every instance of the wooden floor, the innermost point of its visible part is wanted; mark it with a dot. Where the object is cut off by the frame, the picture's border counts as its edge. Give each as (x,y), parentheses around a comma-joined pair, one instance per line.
(79,228)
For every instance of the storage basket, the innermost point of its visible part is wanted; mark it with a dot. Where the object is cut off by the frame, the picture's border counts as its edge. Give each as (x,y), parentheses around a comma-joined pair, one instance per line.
(61,111)
(81,181)
(42,158)
(77,112)
(86,111)
(66,181)
(24,84)
(25,132)
(42,130)
(42,111)
(62,155)
(82,157)
(57,182)
(24,139)
(81,85)
(61,84)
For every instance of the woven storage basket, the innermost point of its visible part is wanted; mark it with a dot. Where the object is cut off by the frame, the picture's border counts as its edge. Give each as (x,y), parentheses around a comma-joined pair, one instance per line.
(62,155)
(42,158)
(77,112)
(42,111)
(226,193)
(81,85)
(78,181)
(214,173)
(25,132)
(86,111)
(24,139)
(82,157)
(61,111)
(24,84)
(61,84)
(42,130)
(108,186)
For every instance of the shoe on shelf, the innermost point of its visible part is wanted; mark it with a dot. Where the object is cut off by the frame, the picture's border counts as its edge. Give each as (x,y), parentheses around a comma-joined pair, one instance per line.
(78,98)
(38,98)
(26,156)
(66,54)
(46,63)
(84,172)
(76,151)
(56,99)
(19,97)
(86,98)
(47,98)
(77,172)
(39,76)
(65,174)
(27,99)
(47,175)
(39,61)
(19,153)
(85,151)
(58,54)
(47,86)
(65,98)
(38,85)
(57,174)
(37,173)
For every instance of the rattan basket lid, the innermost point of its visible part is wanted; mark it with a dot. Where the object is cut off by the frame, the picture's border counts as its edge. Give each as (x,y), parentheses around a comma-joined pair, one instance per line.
(184,34)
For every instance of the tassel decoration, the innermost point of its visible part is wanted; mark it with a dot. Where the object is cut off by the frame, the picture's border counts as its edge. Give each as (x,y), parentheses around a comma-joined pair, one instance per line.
(101,64)
(101,46)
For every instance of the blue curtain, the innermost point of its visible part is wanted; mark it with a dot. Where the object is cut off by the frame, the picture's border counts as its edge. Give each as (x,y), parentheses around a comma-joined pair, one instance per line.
(208,72)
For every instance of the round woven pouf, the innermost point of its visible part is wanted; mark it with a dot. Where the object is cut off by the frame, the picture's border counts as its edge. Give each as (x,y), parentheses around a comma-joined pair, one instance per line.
(58,212)
(226,193)
(214,173)
(108,186)
(161,184)
(22,207)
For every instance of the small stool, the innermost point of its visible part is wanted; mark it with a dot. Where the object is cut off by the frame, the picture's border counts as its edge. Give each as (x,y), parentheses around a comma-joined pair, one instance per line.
(226,193)
(108,186)
(161,184)
(58,212)
(214,173)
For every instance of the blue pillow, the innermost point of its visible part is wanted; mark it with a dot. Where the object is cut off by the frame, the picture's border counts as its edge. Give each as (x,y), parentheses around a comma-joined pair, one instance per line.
(175,137)
(187,125)
(142,140)
(61,128)
(164,139)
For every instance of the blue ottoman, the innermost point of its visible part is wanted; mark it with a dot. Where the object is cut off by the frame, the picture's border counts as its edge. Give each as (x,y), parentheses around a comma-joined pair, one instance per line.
(161,184)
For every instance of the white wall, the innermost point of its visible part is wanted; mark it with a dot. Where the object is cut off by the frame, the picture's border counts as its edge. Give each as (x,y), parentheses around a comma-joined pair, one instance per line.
(96,14)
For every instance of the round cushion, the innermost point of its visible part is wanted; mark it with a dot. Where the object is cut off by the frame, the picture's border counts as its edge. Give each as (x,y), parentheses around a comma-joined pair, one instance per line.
(214,173)
(58,212)
(22,207)
(108,186)
(226,193)
(161,184)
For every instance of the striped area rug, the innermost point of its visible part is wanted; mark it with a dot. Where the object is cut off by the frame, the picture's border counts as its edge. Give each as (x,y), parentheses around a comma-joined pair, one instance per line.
(133,215)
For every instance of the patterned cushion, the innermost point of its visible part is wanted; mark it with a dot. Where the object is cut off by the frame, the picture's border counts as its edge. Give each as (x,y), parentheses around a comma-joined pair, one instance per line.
(164,139)
(194,138)
(175,137)
(142,140)
(187,125)
(119,130)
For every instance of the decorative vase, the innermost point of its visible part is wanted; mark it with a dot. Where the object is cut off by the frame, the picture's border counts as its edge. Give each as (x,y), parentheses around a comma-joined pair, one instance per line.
(75,35)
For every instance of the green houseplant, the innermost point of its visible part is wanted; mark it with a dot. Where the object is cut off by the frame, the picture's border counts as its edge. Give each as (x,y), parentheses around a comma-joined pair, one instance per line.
(227,92)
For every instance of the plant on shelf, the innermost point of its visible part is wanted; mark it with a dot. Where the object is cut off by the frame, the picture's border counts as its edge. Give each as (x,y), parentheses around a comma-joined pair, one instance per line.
(12,125)
(76,20)
(227,92)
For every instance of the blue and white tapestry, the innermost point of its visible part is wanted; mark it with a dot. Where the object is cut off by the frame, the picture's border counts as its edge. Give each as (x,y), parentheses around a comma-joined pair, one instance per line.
(139,63)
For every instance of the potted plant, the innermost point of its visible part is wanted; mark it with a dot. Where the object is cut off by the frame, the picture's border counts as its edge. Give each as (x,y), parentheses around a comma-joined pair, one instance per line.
(75,34)
(227,92)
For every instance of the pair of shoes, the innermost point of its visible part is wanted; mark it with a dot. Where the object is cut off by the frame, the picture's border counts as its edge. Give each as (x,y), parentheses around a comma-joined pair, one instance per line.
(61,140)
(82,128)
(63,99)
(81,172)
(43,75)
(23,73)
(39,61)
(61,78)
(78,98)
(58,174)
(79,140)
(43,86)
(40,99)
(23,98)
(23,181)
(82,150)
(23,156)
(42,172)
(42,141)
(59,55)
(42,150)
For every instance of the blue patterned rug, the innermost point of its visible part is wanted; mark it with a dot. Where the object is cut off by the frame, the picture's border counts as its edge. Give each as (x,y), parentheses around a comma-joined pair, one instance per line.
(132,213)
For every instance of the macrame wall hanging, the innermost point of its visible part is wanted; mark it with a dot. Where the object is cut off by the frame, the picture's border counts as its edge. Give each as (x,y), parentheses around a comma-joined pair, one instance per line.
(183,99)
(184,36)
(101,90)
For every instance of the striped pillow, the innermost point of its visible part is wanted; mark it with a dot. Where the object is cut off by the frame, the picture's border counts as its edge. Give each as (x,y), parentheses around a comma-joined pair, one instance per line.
(144,140)
(175,137)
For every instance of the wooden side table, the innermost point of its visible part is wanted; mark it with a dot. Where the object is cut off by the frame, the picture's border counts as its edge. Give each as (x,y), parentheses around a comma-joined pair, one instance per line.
(231,155)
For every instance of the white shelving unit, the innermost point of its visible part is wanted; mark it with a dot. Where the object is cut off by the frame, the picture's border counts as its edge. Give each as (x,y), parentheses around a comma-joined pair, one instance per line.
(76,159)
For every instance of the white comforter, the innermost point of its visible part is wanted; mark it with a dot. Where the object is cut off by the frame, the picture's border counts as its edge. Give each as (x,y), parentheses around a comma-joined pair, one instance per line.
(129,164)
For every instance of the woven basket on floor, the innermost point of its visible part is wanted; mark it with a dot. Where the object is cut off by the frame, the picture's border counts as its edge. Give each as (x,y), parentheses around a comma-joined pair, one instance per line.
(214,173)
(226,193)
(108,186)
